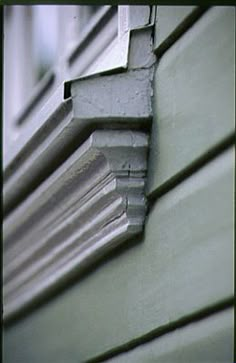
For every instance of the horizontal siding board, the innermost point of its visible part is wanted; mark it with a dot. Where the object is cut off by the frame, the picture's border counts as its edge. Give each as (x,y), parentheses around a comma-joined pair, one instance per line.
(194,95)
(168,19)
(185,263)
(209,340)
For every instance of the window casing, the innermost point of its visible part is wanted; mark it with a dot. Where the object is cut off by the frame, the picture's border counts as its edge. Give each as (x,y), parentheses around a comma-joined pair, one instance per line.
(32,80)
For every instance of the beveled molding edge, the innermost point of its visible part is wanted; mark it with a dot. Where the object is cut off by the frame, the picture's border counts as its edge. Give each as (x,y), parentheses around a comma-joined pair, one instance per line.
(118,99)
(76,184)
(93,202)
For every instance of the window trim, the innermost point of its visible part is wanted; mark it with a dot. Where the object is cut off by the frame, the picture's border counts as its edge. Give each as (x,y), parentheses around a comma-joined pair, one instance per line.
(61,71)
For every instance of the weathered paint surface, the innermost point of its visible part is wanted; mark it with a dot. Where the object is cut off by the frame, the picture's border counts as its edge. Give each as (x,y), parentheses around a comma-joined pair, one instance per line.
(117,100)
(185,260)
(209,340)
(193,96)
(122,96)
(95,200)
(184,263)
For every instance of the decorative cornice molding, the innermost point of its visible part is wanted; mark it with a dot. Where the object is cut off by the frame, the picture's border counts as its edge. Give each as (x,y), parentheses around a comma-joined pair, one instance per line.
(100,101)
(76,188)
(93,202)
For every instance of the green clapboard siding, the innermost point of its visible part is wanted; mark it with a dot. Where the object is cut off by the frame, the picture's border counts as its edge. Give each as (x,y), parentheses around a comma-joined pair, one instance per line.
(206,341)
(168,20)
(193,96)
(185,263)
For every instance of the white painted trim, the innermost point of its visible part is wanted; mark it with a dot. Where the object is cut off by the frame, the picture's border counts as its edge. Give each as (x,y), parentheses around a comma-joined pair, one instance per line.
(92,203)
(120,100)
(98,52)
(132,17)
(85,175)
(90,45)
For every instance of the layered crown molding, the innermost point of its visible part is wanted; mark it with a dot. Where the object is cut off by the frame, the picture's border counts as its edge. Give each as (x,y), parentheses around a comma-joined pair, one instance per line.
(118,98)
(94,201)
(76,188)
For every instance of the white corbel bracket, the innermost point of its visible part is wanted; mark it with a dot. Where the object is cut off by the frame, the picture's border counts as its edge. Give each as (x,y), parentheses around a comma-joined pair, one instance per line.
(89,158)
(92,203)
(109,101)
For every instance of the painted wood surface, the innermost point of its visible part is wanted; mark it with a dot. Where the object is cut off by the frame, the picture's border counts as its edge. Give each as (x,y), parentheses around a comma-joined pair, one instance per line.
(194,96)
(169,19)
(94,200)
(183,264)
(118,100)
(207,341)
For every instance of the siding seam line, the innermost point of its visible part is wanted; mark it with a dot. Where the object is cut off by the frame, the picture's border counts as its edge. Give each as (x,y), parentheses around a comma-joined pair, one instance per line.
(162,330)
(190,169)
(180,30)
